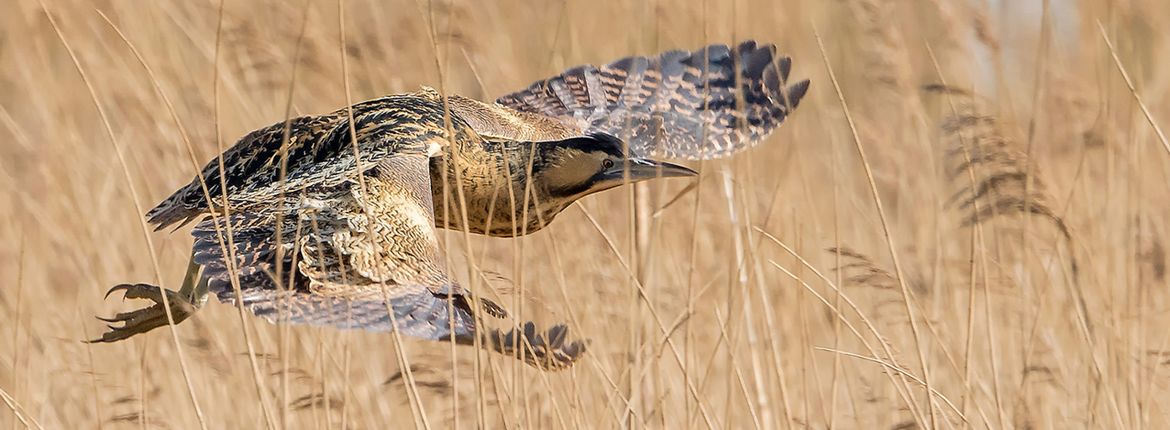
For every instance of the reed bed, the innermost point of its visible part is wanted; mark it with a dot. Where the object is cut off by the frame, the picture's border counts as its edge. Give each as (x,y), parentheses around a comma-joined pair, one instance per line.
(997,259)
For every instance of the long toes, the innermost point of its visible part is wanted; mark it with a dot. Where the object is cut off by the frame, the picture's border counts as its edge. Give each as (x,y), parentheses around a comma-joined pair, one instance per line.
(115,334)
(139,322)
(126,317)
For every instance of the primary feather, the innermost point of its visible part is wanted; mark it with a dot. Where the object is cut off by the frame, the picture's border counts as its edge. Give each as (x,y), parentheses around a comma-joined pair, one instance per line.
(697,105)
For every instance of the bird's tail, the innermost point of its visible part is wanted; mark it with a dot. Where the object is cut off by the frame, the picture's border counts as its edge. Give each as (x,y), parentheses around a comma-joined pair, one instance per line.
(176,210)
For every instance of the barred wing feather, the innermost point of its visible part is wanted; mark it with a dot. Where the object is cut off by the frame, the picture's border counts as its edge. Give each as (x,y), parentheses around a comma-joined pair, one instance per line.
(698,105)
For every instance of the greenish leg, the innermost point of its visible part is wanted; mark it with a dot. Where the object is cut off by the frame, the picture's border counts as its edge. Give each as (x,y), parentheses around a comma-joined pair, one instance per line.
(194,287)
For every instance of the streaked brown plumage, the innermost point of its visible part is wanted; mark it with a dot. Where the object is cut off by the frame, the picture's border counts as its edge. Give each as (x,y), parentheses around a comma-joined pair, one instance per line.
(360,247)
(350,227)
(675,105)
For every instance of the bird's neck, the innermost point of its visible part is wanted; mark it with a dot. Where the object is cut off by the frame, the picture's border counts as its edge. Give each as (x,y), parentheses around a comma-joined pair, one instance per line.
(492,177)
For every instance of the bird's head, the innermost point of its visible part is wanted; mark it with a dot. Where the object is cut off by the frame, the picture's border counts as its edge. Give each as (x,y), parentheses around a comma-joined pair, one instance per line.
(580,166)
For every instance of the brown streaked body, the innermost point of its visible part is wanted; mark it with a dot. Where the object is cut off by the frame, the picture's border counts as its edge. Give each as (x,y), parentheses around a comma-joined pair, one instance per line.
(346,209)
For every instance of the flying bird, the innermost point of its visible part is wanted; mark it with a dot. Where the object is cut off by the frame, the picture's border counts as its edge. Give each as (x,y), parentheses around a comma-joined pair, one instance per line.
(330,219)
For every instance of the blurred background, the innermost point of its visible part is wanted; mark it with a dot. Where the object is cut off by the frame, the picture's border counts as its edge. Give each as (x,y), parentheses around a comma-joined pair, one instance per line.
(1018,272)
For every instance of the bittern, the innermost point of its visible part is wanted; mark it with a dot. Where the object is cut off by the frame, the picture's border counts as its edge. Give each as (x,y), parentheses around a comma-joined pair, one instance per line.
(330,219)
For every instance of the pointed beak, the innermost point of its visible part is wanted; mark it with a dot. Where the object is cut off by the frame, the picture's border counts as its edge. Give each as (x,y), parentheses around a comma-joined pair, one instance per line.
(641,169)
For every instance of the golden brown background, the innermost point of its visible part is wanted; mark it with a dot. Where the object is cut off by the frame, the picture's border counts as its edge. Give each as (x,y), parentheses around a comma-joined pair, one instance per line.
(1009,337)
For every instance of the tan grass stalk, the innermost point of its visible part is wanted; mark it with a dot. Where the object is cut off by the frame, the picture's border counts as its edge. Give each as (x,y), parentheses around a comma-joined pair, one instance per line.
(976,244)
(840,316)
(769,320)
(16,328)
(403,362)
(185,137)
(900,384)
(284,330)
(562,283)
(473,269)
(17,131)
(496,381)
(137,210)
(747,398)
(867,273)
(93,380)
(472,279)
(657,319)
(1037,90)
(907,295)
(616,390)
(836,297)
(1133,90)
(894,367)
(18,411)
(688,335)
(230,255)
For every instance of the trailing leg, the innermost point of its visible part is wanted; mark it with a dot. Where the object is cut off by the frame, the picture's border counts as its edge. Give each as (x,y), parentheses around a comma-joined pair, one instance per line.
(183,303)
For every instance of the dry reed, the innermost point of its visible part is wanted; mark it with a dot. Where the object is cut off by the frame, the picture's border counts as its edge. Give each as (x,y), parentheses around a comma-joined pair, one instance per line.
(1026,213)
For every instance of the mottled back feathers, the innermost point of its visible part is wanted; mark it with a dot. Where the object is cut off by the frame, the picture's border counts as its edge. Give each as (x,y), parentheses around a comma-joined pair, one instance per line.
(319,152)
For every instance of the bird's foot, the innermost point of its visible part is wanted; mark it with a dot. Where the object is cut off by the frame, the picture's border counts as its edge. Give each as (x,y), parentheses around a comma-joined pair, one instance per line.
(148,318)
(548,351)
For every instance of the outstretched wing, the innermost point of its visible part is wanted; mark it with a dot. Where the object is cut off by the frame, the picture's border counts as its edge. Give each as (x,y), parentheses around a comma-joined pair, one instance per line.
(365,255)
(695,105)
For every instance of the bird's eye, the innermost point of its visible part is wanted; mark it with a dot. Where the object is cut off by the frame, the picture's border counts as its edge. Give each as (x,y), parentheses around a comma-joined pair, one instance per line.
(607,164)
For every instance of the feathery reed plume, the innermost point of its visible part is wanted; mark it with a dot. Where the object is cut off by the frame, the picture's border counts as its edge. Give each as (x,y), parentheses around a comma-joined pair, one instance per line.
(865,272)
(1005,183)
(859,269)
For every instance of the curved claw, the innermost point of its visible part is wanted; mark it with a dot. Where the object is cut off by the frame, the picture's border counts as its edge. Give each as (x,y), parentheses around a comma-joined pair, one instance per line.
(117,288)
(141,291)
